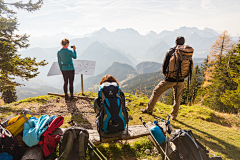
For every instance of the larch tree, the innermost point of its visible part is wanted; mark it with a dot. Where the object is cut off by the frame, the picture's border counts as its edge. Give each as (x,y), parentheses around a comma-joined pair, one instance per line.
(221,46)
(11,64)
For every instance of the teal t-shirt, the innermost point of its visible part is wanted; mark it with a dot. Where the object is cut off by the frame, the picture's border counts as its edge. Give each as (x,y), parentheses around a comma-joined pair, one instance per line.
(65,57)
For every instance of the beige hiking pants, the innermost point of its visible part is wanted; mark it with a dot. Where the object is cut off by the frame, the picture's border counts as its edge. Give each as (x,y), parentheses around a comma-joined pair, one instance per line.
(160,89)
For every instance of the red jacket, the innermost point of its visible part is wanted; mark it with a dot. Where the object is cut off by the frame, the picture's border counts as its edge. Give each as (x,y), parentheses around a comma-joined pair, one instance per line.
(48,142)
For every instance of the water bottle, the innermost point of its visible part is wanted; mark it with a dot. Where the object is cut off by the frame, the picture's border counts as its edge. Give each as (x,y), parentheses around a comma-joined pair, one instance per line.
(157,133)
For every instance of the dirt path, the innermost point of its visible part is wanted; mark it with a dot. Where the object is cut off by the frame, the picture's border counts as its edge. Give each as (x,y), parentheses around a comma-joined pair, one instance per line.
(81,111)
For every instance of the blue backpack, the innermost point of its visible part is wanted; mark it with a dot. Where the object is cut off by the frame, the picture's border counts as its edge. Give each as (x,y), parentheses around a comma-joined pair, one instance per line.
(112,113)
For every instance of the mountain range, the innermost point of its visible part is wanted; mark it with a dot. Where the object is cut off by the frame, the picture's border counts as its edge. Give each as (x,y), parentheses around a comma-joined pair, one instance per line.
(125,46)
(104,56)
(128,46)
(118,70)
(148,67)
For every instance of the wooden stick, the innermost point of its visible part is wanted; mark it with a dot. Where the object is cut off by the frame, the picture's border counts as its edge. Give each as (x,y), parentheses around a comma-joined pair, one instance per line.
(82,83)
(80,97)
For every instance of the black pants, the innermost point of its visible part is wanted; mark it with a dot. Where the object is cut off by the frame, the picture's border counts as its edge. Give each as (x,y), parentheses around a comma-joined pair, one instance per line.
(68,76)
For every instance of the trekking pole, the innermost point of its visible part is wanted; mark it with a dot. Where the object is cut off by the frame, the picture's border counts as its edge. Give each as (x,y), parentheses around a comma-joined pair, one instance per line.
(167,135)
(145,125)
(95,150)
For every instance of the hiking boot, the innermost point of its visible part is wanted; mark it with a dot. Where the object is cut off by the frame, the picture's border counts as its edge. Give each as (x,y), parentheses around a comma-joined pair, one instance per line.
(173,118)
(72,97)
(146,111)
(66,97)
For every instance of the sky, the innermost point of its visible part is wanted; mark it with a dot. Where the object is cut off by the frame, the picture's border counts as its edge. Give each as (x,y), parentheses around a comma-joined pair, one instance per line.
(79,17)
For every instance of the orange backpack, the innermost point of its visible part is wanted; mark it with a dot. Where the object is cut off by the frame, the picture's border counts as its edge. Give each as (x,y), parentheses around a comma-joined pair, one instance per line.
(181,63)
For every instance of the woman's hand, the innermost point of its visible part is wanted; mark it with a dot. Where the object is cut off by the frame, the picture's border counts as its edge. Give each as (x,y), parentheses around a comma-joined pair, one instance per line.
(74,48)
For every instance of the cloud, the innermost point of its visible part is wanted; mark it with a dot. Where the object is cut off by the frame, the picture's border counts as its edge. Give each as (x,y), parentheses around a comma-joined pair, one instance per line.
(143,15)
(206,4)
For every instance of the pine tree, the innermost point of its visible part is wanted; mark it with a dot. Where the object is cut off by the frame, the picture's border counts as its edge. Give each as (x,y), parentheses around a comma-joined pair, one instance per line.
(220,77)
(9,94)
(232,97)
(11,64)
(170,97)
(190,90)
(222,46)
(196,82)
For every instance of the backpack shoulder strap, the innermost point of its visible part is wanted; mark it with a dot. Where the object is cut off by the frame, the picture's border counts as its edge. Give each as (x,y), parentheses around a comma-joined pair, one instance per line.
(198,143)
(121,97)
(195,143)
(102,101)
(102,110)
(68,147)
(82,145)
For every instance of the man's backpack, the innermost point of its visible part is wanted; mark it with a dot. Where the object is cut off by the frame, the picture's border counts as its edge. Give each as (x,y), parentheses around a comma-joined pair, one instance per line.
(187,146)
(112,115)
(73,144)
(181,63)
(48,142)
(9,144)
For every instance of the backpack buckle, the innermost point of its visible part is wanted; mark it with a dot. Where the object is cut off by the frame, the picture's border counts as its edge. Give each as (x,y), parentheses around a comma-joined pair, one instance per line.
(12,147)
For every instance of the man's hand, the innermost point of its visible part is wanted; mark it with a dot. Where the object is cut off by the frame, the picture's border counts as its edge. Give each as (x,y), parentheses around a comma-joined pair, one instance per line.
(74,48)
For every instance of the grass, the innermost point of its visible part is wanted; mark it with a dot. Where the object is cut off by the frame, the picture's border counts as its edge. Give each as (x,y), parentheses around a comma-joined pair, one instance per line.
(39,99)
(219,132)
(127,150)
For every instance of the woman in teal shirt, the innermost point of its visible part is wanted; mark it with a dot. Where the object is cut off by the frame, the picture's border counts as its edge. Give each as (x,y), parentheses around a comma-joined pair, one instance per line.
(65,57)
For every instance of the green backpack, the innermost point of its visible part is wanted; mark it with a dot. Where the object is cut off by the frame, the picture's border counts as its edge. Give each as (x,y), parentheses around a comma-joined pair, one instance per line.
(74,144)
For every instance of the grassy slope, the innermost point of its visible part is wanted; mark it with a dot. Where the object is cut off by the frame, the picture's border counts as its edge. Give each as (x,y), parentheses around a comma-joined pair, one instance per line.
(219,132)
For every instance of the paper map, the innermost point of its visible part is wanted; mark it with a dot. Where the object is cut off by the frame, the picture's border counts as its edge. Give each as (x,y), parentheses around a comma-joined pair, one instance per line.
(81,67)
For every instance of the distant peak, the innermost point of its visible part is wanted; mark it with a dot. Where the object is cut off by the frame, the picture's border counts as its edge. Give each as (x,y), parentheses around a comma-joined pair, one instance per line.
(104,30)
(208,29)
(152,33)
(96,43)
(184,28)
(127,30)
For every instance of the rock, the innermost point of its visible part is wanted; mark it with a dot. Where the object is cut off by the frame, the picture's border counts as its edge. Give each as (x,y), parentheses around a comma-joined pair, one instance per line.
(155,151)
(129,100)
(130,117)
(57,99)
(147,151)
